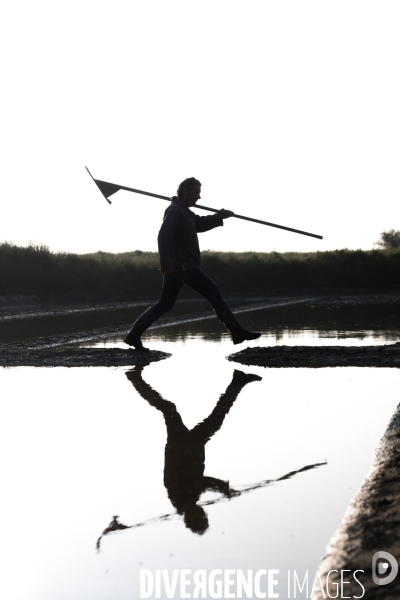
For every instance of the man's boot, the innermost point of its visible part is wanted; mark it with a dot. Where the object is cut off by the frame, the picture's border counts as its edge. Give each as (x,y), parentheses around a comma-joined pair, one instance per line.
(139,327)
(239,334)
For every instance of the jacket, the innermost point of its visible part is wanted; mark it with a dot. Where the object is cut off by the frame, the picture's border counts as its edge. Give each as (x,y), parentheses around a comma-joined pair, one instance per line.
(178,244)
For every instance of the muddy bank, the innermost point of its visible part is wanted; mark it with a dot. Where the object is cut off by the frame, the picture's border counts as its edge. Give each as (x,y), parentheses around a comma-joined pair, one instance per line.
(79,357)
(64,350)
(370,525)
(48,327)
(387,355)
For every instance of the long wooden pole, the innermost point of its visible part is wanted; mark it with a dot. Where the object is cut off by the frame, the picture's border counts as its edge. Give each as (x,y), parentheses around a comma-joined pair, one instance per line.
(108,189)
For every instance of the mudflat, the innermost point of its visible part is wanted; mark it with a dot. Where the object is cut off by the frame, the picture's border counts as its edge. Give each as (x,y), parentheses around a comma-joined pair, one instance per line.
(79,357)
(387,355)
(50,333)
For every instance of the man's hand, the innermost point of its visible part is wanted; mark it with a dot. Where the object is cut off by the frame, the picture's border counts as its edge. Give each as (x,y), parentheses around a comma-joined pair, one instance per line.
(166,271)
(225,214)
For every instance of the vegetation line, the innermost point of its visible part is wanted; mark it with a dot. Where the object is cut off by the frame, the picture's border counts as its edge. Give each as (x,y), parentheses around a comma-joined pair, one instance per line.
(37,270)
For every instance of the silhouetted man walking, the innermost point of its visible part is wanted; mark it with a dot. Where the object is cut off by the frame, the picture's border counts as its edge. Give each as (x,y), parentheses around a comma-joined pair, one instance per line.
(179,251)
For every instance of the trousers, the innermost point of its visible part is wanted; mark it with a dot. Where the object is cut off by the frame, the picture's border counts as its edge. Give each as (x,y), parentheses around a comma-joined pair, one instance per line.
(195,279)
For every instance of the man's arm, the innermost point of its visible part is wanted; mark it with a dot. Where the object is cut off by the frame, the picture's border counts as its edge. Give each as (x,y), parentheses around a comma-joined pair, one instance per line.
(211,221)
(213,484)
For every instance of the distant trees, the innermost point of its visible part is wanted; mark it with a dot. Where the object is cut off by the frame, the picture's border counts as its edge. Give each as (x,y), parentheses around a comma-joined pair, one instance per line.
(389,239)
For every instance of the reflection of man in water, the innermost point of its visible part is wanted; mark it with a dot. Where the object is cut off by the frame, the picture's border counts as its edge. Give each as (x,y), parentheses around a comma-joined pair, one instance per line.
(179,250)
(184,476)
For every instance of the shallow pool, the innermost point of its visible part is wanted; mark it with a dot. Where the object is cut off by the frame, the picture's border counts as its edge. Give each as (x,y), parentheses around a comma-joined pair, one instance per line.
(80,446)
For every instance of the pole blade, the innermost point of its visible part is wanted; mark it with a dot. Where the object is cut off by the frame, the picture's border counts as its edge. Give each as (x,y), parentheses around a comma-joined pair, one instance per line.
(106,188)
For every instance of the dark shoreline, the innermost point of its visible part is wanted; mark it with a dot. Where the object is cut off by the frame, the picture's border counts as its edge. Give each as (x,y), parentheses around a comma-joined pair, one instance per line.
(387,355)
(79,357)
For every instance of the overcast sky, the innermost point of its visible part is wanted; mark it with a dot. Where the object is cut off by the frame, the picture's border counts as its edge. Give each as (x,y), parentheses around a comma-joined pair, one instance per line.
(287,111)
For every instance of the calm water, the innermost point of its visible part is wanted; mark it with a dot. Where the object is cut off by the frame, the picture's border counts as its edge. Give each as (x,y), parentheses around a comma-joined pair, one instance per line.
(82,445)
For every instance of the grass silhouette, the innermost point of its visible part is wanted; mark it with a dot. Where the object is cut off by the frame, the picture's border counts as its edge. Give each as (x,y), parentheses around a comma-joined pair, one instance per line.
(37,270)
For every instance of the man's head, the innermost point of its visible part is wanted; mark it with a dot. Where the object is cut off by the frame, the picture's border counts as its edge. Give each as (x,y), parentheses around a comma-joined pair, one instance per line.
(189,191)
(195,518)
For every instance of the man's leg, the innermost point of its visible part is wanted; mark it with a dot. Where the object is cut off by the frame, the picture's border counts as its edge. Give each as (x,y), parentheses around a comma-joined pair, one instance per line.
(176,429)
(170,290)
(203,431)
(198,281)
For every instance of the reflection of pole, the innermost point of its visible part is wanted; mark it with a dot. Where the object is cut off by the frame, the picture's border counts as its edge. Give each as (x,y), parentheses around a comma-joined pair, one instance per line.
(115,525)
(108,189)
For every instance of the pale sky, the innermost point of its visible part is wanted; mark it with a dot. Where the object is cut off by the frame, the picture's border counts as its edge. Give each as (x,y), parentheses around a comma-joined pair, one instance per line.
(287,111)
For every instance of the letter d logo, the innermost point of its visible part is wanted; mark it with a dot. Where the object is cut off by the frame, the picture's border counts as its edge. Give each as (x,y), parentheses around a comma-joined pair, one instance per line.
(382,568)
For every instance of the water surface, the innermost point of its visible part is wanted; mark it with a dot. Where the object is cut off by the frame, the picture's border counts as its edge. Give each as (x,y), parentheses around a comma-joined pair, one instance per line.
(80,446)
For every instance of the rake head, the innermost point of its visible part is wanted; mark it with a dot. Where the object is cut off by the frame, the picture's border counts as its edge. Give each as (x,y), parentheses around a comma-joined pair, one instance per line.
(106,188)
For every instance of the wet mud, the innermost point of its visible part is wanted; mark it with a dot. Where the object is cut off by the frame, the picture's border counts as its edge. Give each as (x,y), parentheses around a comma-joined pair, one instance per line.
(30,333)
(79,357)
(50,336)
(387,355)
(370,525)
